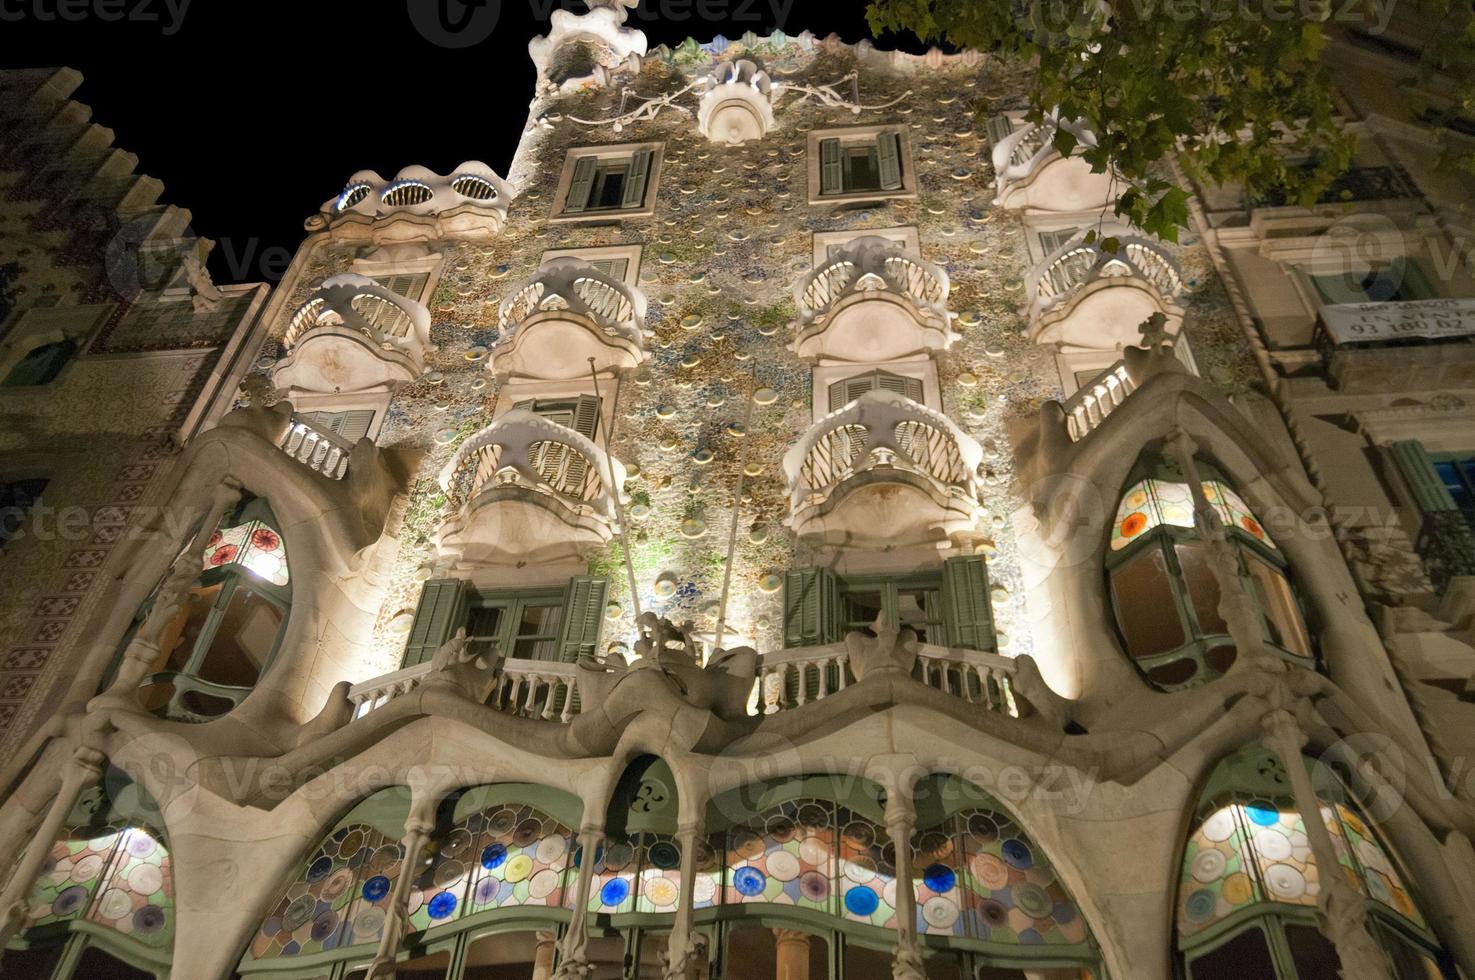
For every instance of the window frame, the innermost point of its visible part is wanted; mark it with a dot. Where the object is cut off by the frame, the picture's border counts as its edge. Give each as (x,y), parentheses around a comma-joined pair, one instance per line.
(890,586)
(918,367)
(608,151)
(861,134)
(514,602)
(631,253)
(1197,642)
(904,235)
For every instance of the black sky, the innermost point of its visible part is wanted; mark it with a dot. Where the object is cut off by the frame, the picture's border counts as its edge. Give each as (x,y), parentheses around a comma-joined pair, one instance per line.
(254,112)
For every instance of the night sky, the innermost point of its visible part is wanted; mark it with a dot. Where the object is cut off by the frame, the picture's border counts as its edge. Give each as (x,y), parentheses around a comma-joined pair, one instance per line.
(254,112)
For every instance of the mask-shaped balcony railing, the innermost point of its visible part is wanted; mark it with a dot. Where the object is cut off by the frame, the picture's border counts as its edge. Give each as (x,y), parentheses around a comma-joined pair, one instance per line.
(529,489)
(872,300)
(884,441)
(418,205)
(1030,172)
(318,449)
(1095,400)
(568,312)
(353,334)
(1082,296)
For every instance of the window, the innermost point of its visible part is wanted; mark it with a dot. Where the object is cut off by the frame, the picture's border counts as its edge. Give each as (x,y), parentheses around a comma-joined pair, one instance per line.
(948,609)
(620,262)
(1402,281)
(844,392)
(1055,239)
(17,498)
(1164,590)
(604,180)
(352,425)
(552,624)
(230,624)
(860,164)
(828,243)
(998,128)
(557,464)
(1458,475)
(1247,898)
(41,365)
(390,320)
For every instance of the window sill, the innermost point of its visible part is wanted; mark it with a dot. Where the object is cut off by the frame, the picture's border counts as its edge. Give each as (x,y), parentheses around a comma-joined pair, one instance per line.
(610,215)
(862,197)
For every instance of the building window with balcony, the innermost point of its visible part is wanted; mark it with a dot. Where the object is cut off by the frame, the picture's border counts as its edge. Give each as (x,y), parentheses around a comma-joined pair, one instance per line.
(1442,488)
(617,181)
(557,624)
(846,391)
(860,164)
(950,608)
(1401,281)
(1163,586)
(621,262)
(230,624)
(40,365)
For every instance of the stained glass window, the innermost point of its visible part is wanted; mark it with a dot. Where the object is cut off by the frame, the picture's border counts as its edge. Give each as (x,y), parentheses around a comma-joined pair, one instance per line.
(119,879)
(784,856)
(253,546)
(1153,502)
(1249,850)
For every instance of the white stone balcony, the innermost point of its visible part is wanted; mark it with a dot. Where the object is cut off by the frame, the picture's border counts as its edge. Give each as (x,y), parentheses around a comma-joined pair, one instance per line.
(872,301)
(1029,172)
(418,205)
(1093,402)
(787,677)
(540,689)
(318,449)
(526,489)
(353,334)
(736,103)
(1082,297)
(565,314)
(884,471)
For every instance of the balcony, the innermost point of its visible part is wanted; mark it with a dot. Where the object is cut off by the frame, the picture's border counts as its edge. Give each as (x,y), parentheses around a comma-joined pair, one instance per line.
(872,301)
(526,489)
(566,314)
(418,205)
(1030,173)
(1399,346)
(1082,297)
(538,689)
(736,103)
(353,334)
(1447,545)
(884,471)
(787,677)
(1093,402)
(1376,183)
(319,450)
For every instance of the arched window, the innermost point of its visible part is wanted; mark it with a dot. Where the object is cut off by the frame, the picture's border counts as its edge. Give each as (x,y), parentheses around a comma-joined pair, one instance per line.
(497,854)
(1163,587)
(231,623)
(103,905)
(1249,885)
(41,365)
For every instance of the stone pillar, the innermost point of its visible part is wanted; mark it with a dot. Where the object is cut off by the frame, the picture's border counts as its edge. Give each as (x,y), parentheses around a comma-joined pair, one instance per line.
(573,960)
(417,835)
(901,820)
(791,954)
(80,772)
(1237,606)
(1341,907)
(543,956)
(683,953)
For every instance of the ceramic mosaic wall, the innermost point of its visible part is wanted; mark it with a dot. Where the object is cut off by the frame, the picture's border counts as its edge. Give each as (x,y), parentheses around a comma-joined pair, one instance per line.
(731,235)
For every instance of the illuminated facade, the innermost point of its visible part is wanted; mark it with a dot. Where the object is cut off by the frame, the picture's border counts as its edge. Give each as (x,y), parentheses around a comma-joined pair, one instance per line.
(764,536)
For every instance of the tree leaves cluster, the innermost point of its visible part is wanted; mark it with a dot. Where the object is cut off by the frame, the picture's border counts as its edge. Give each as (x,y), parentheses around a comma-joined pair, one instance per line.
(1237,91)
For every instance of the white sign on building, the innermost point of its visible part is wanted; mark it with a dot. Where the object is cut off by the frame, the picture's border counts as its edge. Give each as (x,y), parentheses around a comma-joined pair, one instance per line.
(1426,319)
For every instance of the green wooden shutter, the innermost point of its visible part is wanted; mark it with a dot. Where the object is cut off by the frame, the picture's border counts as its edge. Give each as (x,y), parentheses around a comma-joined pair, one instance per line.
(639,176)
(583,617)
(904,386)
(586,416)
(581,184)
(1423,479)
(965,603)
(355,425)
(998,128)
(888,159)
(811,607)
(831,168)
(440,613)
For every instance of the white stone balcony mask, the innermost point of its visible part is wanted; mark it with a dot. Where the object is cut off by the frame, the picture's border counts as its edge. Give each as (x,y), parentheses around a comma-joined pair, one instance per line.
(352,301)
(420,191)
(736,103)
(568,312)
(1030,172)
(838,319)
(1084,297)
